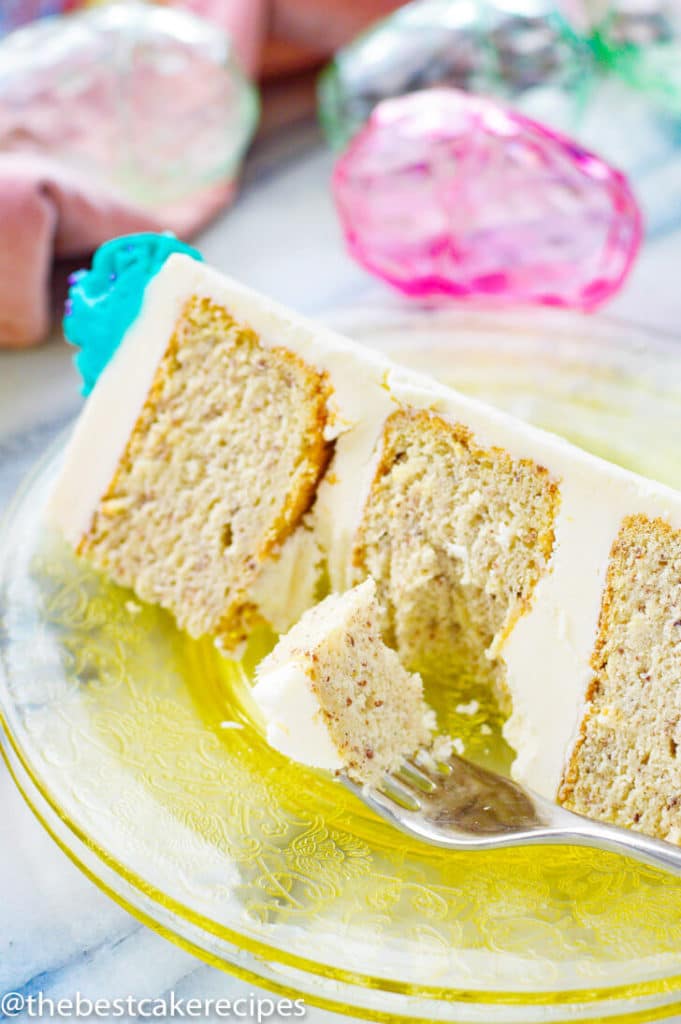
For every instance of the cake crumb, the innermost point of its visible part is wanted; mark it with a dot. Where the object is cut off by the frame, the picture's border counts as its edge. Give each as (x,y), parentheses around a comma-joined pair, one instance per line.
(231,653)
(442,748)
(470,708)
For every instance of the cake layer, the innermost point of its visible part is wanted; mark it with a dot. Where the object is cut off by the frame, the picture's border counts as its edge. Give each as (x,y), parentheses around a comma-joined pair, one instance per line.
(457,537)
(626,765)
(199,498)
(520,524)
(336,697)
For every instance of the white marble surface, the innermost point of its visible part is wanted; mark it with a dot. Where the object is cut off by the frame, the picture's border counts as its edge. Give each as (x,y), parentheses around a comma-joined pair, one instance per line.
(58,933)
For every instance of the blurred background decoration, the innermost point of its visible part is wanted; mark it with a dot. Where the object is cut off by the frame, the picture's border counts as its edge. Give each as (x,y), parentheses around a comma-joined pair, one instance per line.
(113,119)
(448,196)
(523,52)
(609,75)
(14,13)
(144,101)
(134,115)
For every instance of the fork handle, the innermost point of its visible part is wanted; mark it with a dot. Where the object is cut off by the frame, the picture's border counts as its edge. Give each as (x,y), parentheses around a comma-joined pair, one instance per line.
(563,826)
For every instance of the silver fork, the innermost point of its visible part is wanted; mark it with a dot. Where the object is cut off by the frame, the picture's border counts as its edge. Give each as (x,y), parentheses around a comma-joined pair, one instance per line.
(461,806)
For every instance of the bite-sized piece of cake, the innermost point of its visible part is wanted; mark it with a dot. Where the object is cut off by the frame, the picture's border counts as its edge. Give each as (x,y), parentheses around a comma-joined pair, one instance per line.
(232,454)
(335,697)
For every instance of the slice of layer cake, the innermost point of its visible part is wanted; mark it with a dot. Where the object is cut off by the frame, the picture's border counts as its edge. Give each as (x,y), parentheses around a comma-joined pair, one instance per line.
(204,448)
(335,697)
(231,454)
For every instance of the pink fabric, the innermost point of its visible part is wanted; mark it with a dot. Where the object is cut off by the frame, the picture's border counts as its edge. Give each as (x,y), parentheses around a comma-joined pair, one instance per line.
(46,212)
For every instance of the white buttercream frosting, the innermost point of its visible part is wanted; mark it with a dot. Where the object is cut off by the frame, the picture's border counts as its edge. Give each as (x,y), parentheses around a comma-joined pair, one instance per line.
(287,583)
(547,654)
(295,726)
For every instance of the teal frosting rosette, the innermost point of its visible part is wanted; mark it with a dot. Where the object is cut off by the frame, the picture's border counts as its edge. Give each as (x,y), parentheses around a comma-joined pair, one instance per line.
(104,300)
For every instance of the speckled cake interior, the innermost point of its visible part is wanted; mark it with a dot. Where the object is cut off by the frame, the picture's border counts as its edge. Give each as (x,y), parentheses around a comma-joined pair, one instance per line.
(221,464)
(626,766)
(456,537)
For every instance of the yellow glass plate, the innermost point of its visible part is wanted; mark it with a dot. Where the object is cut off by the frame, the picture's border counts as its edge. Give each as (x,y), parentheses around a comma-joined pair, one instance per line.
(142,753)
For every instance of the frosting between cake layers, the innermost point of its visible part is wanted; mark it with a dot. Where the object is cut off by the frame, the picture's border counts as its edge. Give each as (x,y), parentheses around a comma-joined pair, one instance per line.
(548,652)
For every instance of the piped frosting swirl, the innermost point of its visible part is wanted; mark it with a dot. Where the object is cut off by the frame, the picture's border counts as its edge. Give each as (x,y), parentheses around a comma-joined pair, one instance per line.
(105,300)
